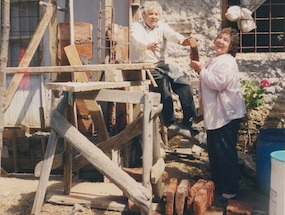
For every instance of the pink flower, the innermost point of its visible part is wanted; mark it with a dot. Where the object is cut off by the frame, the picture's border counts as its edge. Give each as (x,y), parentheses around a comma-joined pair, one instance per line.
(265,83)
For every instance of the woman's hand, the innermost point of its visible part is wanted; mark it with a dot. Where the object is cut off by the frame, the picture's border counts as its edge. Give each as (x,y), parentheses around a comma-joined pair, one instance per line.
(196,65)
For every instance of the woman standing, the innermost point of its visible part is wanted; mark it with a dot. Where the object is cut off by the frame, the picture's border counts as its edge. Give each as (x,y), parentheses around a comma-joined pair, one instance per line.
(222,106)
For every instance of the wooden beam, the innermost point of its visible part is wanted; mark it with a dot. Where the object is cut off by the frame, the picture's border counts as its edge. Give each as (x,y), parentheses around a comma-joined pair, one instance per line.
(52,29)
(96,195)
(105,93)
(57,162)
(73,58)
(84,87)
(29,53)
(156,179)
(47,164)
(157,170)
(80,68)
(147,142)
(3,64)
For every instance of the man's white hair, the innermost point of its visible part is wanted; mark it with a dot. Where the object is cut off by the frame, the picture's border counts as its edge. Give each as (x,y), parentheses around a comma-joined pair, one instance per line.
(148,5)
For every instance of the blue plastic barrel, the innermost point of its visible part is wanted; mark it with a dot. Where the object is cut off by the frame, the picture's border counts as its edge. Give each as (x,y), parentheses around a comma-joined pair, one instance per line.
(269,140)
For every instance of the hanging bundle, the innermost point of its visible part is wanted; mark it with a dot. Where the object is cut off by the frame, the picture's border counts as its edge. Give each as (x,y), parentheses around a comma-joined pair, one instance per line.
(242,16)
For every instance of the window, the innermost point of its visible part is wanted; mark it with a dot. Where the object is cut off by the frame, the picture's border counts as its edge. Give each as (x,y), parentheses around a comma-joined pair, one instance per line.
(270,32)
(24,19)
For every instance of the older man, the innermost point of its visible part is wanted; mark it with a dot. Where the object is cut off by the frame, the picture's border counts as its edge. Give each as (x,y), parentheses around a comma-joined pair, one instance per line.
(148,43)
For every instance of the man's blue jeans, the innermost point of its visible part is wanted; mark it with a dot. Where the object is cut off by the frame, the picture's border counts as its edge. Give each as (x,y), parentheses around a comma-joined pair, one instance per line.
(181,87)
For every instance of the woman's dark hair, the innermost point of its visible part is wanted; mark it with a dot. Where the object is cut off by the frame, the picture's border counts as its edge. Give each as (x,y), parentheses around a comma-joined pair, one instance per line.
(234,39)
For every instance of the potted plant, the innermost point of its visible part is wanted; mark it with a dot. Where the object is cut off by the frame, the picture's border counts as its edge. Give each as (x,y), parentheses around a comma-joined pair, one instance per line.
(253,93)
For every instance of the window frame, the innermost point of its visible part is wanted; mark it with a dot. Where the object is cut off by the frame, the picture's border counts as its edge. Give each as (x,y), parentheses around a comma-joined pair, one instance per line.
(259,44)
(24,25)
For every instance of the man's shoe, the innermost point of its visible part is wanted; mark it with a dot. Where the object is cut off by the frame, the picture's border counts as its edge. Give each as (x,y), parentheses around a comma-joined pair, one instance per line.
(194,132)
(183,130)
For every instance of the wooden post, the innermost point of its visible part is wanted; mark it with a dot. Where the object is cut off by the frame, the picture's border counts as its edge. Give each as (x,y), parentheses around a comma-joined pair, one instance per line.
(147,142)
(67,164)
(158,186)
(47,164)
(3,65)
(53,38)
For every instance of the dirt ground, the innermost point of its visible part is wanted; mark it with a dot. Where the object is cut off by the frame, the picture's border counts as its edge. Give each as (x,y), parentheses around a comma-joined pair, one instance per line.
(17,191)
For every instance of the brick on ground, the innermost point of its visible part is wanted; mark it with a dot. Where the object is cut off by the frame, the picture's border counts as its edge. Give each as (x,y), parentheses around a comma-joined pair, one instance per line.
(212,193)
(170,196)
(203,199)
(192,192)
(181,195)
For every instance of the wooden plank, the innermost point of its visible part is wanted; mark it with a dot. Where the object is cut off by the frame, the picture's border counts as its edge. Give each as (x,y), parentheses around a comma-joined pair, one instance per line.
(3,173)
(139,194)
(104,94)
(29,53)
(157,170)
(114,76)
(98,119)
(90,86)
(85,49)
(46,168)
(80,68)
(147,141)
(74,59)
(3,64)
(57,162)
(124,96)
(52,37)
(151,78)
(110,202)
(157,158)
(105,196)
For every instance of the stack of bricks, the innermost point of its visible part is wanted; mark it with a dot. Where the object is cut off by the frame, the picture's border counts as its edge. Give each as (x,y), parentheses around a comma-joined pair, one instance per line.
(196,199)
